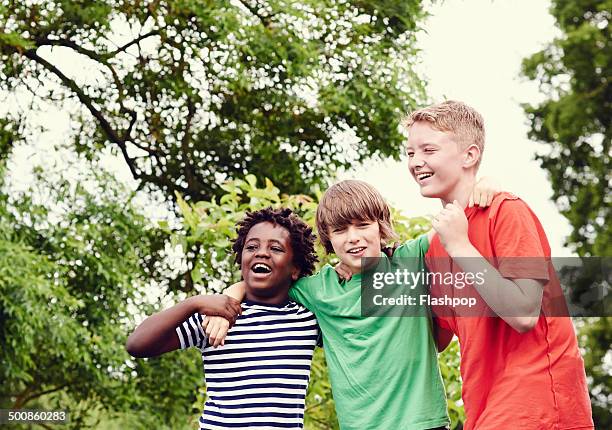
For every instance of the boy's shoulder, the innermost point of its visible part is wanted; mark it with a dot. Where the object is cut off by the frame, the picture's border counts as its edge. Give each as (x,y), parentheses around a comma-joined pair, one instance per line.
(504,199)
(321,275)
(415,248)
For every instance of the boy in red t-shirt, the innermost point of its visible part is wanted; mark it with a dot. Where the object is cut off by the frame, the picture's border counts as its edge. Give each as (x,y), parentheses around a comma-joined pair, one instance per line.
(520,363)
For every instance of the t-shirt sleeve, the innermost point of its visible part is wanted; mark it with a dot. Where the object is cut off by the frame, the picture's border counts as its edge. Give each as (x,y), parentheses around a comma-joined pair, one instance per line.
(414,248)
(191,333)
(517,243)
(306,290)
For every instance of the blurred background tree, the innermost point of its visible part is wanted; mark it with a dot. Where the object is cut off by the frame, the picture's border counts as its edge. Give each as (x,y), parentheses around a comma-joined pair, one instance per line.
(191,93)
(72,275)
(574,121)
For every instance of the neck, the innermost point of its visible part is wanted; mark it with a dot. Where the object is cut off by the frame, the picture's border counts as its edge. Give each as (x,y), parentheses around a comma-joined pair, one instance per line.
(460,192)
(277,298)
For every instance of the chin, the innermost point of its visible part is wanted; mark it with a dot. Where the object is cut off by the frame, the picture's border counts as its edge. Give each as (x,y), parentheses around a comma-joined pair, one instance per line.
(425,192)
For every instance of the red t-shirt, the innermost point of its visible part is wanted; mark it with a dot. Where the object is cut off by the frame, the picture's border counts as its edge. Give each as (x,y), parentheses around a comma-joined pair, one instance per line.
(528,381)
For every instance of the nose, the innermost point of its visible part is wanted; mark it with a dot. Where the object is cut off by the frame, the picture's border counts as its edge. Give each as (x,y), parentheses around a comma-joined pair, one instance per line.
(263,252)
(351,234)
(415,162)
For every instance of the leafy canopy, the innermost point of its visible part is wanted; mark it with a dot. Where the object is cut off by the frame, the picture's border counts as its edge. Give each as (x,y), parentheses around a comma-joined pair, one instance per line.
(191,93)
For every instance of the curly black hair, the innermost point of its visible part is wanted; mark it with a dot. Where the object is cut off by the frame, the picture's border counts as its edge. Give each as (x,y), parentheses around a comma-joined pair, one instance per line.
(302,237)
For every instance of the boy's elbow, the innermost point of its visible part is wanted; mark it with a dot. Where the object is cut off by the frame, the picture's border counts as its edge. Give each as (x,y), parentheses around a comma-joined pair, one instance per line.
(525,324)
(133,347)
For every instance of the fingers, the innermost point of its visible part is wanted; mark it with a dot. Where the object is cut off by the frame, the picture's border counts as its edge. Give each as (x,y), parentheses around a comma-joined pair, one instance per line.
(344,274)
(235,307)
(343,271)
(216,331)
(471,200)
(487,199)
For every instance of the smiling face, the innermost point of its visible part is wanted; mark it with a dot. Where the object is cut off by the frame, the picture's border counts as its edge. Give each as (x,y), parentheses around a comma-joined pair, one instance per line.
(354,241)
(437,162)
(267,260)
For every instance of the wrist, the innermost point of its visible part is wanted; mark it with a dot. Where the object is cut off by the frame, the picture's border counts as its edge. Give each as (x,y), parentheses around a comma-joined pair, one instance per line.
(196,303)
(460,249)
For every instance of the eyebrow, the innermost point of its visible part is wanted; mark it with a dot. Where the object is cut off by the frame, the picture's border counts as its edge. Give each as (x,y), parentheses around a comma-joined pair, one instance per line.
(259,240)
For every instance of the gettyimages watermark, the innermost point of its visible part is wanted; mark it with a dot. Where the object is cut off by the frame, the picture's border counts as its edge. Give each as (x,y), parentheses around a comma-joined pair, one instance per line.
(408,287)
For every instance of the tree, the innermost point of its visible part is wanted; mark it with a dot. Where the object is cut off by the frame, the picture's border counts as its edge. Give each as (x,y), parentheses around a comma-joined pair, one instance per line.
(191,93)
(72,272)
(574,121)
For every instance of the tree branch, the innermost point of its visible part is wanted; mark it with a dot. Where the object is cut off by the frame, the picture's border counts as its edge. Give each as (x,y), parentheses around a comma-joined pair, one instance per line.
(25,397)
(133,42)
(266,21)
(88,102)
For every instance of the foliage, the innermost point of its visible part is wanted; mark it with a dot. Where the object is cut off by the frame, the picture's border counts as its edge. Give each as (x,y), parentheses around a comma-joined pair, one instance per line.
(211,224)
(71,275)
(191,93)
(574,122)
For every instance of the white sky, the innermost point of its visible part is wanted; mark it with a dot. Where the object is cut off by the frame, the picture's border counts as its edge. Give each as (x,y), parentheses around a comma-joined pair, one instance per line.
(472,52)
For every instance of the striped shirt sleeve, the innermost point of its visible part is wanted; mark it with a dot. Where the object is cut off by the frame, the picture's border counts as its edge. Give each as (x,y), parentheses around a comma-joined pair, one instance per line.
(190,332)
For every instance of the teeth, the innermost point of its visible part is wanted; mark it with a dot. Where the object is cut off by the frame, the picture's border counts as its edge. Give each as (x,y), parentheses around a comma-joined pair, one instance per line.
(424,175)
(261,268)
(356,250)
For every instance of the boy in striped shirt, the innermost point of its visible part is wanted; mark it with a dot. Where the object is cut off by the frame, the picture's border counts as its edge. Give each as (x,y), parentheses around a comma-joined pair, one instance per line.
(259,379)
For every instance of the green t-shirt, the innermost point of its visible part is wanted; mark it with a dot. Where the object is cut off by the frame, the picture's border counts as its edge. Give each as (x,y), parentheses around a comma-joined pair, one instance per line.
(383,370)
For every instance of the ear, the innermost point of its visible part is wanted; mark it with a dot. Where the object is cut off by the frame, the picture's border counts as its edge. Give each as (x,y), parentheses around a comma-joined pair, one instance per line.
(295,273)
(471,155)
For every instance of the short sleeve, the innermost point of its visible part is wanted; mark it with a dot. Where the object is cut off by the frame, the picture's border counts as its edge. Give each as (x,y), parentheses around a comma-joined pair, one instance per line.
(517,242)
(413,248)
(305,290)
(191,333)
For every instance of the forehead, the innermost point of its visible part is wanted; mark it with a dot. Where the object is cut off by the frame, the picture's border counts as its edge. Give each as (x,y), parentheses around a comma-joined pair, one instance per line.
(266,231)
(372,225)
(423,133)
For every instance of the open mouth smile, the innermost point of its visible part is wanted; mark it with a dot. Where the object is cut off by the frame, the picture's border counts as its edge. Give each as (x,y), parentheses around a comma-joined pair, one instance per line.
(261,269)
(420,177)
(356,251)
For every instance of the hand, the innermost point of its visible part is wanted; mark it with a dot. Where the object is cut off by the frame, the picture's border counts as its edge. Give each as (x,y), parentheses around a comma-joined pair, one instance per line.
(452,226)
(390,250)
(484,191)
(216,329)
(220,305)
(343,271)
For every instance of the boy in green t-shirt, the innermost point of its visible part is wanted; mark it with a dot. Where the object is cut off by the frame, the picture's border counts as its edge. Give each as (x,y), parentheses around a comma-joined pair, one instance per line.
(384,371)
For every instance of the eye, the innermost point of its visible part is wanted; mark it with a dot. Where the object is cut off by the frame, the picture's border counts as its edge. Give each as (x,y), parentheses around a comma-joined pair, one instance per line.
(250,247)
(410,154)
(430,150)
(338,230)
(277,249)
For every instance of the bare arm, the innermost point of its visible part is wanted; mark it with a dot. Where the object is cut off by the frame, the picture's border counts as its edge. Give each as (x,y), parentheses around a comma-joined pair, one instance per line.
(236,291)
(516,301)
(156,335)
(216,327)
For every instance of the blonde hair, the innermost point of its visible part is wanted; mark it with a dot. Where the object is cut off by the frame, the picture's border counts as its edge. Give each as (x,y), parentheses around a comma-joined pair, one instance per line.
(349,201)
(454,117)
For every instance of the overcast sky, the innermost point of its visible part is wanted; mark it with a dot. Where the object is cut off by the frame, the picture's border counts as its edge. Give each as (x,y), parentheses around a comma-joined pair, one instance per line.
(472,51)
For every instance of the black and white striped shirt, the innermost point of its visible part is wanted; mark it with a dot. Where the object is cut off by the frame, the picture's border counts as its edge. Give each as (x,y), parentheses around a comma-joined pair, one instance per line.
(259,378)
